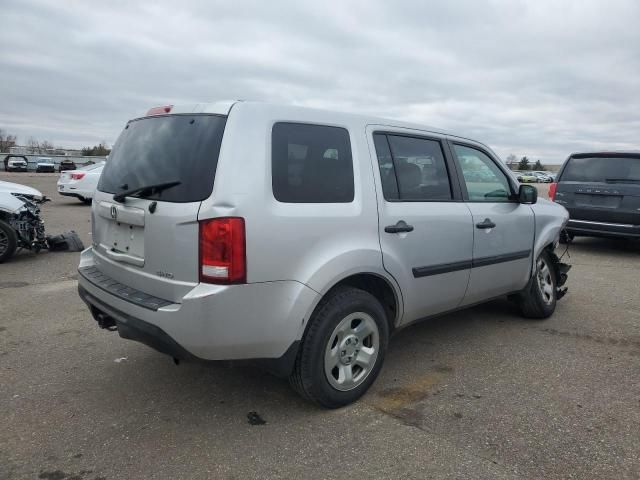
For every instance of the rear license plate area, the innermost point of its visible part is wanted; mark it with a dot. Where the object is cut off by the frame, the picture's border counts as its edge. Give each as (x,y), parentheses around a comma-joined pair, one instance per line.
(124,238)
(599,201)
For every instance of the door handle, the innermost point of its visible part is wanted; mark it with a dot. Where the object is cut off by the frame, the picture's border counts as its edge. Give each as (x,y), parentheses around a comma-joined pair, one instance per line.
(399,227)
(487,223)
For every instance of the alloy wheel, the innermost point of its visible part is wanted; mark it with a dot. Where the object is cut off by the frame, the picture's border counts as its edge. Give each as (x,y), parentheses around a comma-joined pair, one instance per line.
(545,282)
(351,351)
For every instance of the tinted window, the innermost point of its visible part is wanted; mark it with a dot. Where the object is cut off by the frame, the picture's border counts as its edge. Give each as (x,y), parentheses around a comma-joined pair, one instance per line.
(602,169)
(385,164)
(484,180)
(311,164)
(162,149)
(412,169)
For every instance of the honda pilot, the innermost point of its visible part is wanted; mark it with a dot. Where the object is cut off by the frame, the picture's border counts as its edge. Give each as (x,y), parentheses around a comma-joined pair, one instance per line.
(301,239)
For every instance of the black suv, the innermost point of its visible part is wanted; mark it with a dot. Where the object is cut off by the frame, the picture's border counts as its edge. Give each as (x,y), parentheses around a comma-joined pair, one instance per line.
(601,191)
(66,165)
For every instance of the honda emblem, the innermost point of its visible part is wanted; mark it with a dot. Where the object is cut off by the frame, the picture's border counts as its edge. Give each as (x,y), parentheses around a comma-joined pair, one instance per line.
(114,212)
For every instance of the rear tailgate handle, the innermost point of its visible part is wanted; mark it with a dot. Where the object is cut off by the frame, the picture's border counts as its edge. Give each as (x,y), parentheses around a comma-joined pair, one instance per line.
(399,227)
(487,223)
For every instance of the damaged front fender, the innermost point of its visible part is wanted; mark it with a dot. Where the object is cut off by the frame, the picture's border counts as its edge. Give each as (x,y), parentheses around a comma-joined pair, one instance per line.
(561,271)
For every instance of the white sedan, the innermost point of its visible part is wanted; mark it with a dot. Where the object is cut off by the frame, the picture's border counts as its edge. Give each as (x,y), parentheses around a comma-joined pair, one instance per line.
(81,183)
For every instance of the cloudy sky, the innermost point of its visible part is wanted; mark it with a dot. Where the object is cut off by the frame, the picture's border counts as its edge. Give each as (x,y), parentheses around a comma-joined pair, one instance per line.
(539,78)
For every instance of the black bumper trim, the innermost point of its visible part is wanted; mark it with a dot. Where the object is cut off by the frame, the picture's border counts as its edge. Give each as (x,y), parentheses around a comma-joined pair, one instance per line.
(132,328)
(123,292)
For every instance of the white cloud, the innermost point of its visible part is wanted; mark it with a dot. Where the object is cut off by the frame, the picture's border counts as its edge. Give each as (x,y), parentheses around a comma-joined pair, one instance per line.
(540,78)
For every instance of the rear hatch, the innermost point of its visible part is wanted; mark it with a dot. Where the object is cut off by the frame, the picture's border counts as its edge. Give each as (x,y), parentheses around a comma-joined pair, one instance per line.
(148,240)
(603,187)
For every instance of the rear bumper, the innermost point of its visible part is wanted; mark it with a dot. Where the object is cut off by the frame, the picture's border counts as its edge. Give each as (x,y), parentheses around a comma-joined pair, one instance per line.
(72,194)
(602,229)
(259,321)
(71,190)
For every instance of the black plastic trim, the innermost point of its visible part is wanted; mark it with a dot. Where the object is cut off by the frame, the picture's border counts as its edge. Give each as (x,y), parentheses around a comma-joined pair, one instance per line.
(466,264)
(507,257)
(123,292)
(443,268)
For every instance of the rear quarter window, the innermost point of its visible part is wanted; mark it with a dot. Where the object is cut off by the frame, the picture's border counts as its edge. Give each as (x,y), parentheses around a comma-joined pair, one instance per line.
(311,164)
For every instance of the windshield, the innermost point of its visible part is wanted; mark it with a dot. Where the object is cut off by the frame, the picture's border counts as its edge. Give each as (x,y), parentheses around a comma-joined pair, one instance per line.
(601,169)
(161,149)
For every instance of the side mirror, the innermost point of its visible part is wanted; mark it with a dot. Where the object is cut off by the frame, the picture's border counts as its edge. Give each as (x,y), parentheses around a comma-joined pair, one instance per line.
(527,194)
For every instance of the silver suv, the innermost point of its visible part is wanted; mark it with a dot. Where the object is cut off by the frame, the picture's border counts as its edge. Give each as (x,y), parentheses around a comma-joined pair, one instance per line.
(302,239)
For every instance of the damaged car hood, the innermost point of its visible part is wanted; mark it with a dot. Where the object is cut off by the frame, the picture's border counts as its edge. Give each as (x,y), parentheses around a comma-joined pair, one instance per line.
(9,202)
(8,187)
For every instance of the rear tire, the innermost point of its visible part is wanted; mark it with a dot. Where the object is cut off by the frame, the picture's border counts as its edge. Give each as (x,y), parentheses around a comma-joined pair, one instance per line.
(8,241)
(538,298)
(86,201)
(343,349)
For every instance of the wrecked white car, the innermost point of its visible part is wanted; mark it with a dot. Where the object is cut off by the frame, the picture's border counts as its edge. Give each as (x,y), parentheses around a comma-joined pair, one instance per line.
(21,225)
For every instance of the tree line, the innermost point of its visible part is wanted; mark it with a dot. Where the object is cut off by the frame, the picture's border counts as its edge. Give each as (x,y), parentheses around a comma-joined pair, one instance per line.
(525,164)
(37,147)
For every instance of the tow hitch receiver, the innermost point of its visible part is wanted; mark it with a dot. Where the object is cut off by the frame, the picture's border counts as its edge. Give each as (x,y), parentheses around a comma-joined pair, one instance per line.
(104,320)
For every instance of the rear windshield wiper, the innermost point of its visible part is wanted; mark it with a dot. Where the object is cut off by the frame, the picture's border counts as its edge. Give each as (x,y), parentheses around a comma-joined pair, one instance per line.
(158,187)
(622,180)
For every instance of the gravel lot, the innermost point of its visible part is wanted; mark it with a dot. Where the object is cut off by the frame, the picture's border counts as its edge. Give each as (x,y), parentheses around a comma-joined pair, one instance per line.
(481,393)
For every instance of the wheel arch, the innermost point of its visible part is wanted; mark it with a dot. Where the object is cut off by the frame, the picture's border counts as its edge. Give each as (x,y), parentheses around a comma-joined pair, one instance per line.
(378,284)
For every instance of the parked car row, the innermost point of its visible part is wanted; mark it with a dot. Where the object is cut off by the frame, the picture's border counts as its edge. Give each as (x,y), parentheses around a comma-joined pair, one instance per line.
(534,176)
(20,163)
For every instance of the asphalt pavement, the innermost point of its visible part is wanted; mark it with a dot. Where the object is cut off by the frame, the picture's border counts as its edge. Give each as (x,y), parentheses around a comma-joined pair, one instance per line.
(479,394)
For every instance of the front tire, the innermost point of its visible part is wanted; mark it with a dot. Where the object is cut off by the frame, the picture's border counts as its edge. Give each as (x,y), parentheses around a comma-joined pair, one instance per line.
(8,241)
(538,299)
(343,349)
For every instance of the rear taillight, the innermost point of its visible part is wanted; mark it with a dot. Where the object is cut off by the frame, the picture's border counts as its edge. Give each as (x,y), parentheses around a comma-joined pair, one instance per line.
(552,190)
(160,110)
(77,176)
(222,250)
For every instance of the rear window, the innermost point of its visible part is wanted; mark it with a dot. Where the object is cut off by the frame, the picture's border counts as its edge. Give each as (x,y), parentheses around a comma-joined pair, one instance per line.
(311,164)
(163,149)
(602,169)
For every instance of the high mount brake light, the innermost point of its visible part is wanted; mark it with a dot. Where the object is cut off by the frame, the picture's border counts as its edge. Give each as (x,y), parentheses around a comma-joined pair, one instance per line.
(160,110)
(223,251)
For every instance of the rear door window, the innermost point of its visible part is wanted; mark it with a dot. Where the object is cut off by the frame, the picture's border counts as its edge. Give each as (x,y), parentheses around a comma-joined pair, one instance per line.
(602,169)
(412,169)
(161,149)
(311,164)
